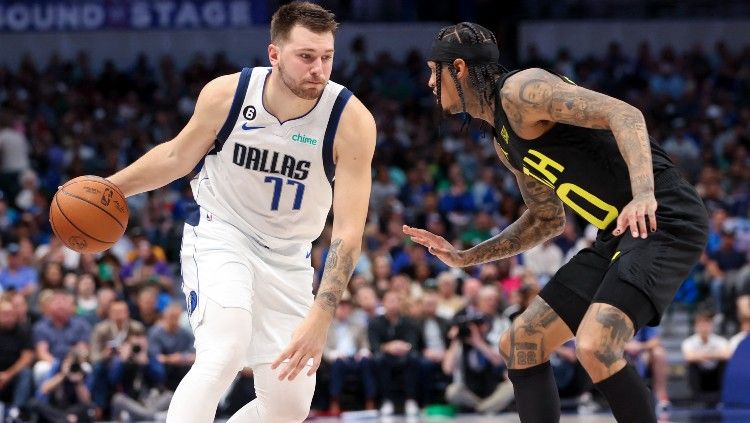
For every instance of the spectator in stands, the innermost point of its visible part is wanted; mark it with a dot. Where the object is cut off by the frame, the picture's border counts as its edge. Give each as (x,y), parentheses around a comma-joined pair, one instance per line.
(705,354)
(469,295)
(723,268)
(434,334)
(106,339)
(138,378)
(347,351)
(394,341)
(172,345)
(449,302)
(367,305)
(86,300)
(743,313)
(648,356)
(62,394)
(16,356)
(58,332)
(17,275)
(105,297)
(147,263)
(14,153)
(475,362)
(543,260)
(146,303)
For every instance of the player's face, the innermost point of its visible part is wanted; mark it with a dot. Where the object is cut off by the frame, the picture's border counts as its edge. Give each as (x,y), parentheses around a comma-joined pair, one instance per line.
(304,61)
(448,95)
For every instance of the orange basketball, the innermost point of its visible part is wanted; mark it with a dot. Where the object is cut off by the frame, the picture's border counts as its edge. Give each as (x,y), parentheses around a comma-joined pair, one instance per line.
(89,214)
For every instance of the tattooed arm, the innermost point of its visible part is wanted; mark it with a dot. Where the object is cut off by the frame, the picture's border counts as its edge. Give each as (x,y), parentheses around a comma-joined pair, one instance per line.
(534,99)
(353,150)
(350,200)
(544,219)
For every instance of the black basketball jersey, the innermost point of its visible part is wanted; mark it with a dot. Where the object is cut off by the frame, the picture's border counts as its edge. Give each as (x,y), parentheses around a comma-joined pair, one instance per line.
(582,165)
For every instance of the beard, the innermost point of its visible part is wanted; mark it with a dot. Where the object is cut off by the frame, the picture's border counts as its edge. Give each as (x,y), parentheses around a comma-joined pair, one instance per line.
(312,93)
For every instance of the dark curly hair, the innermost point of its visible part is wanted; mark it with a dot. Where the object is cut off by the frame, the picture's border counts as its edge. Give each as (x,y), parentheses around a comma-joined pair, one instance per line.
(483,77)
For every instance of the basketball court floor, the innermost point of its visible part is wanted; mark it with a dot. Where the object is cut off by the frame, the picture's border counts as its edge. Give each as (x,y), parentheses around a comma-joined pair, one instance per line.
(677,416)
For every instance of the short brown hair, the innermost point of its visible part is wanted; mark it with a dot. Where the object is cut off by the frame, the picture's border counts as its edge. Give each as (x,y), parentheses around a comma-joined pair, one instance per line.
(309,15)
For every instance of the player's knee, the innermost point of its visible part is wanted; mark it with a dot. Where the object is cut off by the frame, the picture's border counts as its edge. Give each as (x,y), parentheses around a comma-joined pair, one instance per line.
(294,407)
(505,344)
(586,350)
(221,361)
(593,352)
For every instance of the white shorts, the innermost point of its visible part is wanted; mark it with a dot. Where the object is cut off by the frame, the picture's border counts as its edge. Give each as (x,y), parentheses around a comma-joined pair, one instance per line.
(222,263)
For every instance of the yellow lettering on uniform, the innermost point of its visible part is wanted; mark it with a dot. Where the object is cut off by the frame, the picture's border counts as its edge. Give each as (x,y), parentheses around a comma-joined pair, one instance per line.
(545,182)
(542,165)
(617,254)
(504,134)
(564,189)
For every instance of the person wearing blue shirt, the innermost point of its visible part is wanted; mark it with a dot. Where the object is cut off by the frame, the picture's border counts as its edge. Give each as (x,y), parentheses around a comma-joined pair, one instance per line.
(18,276)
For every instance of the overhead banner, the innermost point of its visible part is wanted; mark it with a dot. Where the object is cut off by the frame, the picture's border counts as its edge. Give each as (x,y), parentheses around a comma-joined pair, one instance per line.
(60,15)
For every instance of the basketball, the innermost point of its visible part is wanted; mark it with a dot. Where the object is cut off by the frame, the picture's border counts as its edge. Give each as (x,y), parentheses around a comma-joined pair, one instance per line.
(89,214)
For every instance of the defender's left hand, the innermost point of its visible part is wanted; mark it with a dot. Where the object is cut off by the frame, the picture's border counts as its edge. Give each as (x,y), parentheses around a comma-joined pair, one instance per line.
(308,341)
(634,215)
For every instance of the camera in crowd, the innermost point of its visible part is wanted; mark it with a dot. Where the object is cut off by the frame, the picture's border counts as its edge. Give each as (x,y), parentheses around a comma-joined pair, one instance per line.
(463,323)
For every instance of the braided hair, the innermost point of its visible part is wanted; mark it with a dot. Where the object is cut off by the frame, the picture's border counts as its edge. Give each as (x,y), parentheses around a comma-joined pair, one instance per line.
(482,76)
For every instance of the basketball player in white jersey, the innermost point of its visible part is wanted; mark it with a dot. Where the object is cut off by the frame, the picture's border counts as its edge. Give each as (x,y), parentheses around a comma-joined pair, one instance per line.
(272,139)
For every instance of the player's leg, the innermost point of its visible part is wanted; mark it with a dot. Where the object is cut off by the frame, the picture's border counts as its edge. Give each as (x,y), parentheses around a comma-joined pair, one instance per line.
(548,322)
(526,347)
(279,304)
(277,401)
(637,288)
(216,281)
(221,343)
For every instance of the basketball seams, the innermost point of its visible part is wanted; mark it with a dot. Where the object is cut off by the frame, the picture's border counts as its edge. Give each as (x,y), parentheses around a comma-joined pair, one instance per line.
(62,212)
(101,181)
(93,204)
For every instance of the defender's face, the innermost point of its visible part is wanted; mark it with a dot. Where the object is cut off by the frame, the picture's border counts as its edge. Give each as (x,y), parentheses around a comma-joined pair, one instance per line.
(449,98)
(304,61)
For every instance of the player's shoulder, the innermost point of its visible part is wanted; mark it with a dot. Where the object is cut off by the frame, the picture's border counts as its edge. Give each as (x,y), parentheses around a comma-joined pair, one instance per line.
(221,86)
(522,78)
(356,113)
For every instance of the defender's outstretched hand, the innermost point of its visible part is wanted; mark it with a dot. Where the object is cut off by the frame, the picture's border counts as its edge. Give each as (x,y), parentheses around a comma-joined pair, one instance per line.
(436,245)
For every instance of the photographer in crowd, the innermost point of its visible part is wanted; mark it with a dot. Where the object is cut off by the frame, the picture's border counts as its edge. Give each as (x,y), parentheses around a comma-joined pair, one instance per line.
(106,339)
(172,345)
(63,395)
(137,377)
(474,359)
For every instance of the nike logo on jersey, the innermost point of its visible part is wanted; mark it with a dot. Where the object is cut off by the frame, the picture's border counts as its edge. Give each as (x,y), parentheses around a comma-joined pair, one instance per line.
(308,254)
(247,127)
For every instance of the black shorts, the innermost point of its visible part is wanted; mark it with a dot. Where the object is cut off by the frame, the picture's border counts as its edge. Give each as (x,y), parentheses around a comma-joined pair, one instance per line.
(638,276)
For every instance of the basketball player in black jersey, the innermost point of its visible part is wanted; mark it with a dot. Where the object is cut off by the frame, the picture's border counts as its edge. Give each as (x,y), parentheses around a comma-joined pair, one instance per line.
(569,145)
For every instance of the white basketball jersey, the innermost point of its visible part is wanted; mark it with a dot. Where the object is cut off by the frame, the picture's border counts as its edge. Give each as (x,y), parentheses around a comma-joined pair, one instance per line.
(271,179)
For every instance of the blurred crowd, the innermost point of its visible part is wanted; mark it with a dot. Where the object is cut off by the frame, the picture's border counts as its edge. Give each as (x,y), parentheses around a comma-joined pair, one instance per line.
(85,337)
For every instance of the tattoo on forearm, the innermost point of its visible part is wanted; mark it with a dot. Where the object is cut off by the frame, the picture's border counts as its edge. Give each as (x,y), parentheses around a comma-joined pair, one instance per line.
(617,330)
(338,269)
(544,219)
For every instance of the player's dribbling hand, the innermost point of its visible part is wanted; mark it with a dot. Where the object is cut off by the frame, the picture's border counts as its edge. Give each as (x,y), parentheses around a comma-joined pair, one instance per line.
(436,245)
(634,215)
(307,342)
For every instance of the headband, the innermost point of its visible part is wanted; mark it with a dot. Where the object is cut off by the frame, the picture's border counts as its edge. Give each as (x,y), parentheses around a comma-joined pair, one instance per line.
(474,54)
